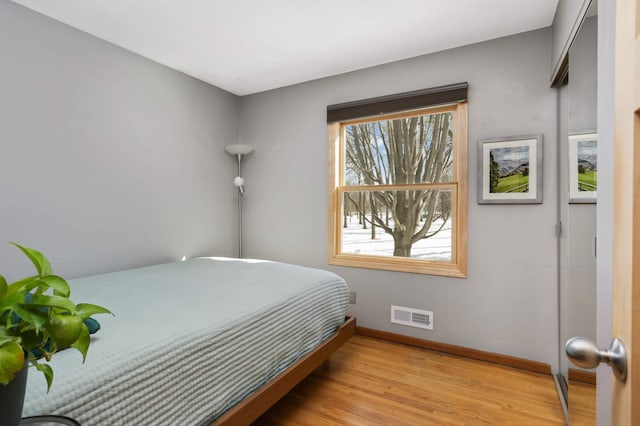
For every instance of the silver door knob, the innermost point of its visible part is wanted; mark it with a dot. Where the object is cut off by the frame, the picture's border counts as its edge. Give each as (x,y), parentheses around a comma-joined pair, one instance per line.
(584,353)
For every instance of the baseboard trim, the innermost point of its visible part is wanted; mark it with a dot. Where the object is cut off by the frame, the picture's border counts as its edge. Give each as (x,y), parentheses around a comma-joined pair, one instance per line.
(588,377)
(506,360)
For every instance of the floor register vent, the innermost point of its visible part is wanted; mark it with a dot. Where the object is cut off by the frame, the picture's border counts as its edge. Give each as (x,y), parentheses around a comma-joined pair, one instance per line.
(412,317)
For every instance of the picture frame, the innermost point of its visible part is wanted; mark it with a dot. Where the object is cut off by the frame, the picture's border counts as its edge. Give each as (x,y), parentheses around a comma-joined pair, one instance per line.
(583,167)
(510,170)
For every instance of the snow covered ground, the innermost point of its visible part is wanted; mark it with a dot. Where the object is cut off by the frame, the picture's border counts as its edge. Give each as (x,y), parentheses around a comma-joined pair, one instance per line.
(358,241)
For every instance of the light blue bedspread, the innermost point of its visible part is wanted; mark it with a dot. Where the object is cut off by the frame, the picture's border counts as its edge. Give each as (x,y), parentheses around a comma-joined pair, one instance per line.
(189,339)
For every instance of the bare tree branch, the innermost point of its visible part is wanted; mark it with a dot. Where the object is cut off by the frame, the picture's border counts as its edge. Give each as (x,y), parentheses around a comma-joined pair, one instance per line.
(403,151)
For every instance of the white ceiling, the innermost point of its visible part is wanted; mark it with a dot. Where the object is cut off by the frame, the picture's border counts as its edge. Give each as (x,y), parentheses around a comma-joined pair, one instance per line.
(248,46)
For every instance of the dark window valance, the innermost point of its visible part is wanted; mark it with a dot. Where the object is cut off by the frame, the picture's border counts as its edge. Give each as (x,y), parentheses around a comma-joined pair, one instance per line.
(398,102)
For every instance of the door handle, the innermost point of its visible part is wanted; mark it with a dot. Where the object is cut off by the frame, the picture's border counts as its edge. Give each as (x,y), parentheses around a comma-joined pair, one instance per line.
(584,353)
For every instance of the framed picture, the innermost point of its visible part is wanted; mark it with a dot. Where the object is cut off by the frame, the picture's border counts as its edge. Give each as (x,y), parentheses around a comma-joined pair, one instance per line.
(510,170)
(583,168)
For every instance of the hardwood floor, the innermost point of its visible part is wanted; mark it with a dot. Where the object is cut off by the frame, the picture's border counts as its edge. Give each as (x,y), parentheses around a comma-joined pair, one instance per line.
(375,382)
(582,404)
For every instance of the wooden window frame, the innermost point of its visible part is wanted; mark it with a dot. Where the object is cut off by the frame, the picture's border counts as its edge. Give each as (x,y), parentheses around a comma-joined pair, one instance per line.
(457,267)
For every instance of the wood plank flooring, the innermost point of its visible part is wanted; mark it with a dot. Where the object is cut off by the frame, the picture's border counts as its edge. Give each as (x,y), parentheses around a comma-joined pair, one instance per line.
(375,382)
(582,404)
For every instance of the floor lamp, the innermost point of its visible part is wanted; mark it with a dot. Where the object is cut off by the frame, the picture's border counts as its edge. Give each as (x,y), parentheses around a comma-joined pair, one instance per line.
(239,151)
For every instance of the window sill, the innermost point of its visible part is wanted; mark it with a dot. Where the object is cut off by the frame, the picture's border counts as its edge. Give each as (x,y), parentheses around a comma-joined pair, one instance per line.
(387,263)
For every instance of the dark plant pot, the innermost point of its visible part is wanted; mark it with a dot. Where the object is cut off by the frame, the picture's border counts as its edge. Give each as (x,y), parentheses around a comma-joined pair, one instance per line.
(12,399)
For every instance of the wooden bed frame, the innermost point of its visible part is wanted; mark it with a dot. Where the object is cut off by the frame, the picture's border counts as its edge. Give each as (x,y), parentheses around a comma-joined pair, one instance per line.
(256,404)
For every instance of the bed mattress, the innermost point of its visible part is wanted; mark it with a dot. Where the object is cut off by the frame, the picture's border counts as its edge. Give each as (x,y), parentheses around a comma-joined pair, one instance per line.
(188,340)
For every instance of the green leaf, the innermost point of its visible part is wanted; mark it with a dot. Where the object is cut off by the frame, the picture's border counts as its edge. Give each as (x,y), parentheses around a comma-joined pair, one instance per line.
(38,259)
(7,302)
(3,286)
(82,344)
(36,318)
(20,284)
(54,302)
(6,339)
(11,361)
(58,284)
(85,310)
(46,370)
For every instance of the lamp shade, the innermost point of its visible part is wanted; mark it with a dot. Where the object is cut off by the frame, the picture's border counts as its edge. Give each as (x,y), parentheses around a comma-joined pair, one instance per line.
(238,148)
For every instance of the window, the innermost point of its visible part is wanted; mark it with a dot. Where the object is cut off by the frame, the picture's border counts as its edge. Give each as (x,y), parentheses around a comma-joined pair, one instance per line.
(398,188)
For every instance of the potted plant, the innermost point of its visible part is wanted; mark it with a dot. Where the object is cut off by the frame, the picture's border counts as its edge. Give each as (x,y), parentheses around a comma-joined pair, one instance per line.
(37,319)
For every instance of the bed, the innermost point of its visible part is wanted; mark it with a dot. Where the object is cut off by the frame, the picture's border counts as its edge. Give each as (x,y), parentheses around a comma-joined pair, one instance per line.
(203,341)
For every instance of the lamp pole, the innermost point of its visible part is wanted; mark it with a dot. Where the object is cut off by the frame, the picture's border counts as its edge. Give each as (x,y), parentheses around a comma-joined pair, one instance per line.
(240,195)
(239,151)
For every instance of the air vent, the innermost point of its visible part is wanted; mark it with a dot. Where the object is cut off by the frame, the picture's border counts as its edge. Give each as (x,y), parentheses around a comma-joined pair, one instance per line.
(412,317)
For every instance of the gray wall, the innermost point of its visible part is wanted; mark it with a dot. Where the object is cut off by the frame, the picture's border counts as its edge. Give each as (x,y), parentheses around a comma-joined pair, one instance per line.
(508,303)
(107,160)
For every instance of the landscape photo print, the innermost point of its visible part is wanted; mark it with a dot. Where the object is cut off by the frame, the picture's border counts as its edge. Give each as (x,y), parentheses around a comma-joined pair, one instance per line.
(510,170)
(583,168)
